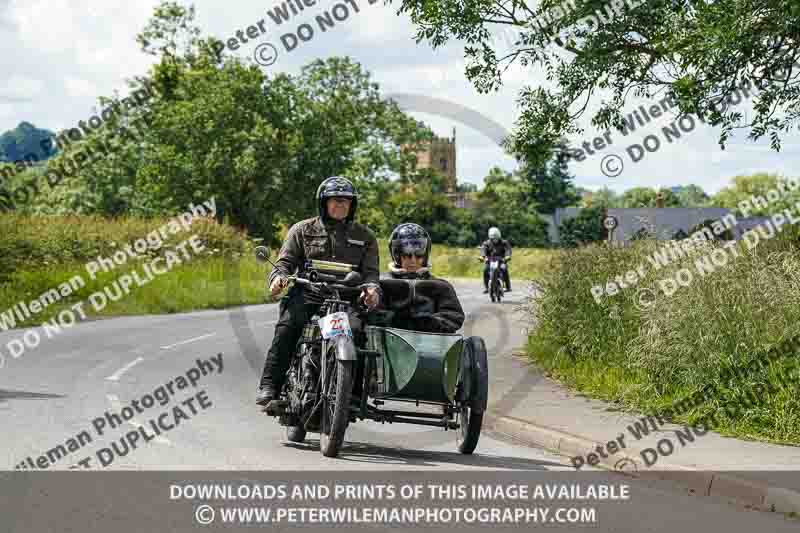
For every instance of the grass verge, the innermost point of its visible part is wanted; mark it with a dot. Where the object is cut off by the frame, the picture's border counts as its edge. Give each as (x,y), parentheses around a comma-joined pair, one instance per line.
(645,357)
(42,253)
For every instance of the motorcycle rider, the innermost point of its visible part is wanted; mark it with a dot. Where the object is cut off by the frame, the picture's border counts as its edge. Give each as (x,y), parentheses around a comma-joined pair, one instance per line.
(496,246)
(432,308)
(330,236)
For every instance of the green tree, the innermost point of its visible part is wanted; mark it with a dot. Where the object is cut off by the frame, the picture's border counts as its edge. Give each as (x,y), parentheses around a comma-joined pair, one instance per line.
(693,52)
(220,128)
(605,198)
(647,197)
(585,228)
(24,143)
(549,184)
(693,196)
(505,202)
(743,188)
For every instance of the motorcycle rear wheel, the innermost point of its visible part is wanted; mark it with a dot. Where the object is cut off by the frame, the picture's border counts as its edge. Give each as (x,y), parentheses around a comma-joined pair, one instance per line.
(336,414)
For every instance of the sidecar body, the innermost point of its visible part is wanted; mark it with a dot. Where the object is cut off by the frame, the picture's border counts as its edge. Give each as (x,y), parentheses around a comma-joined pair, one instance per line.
(444,370)
(415,366)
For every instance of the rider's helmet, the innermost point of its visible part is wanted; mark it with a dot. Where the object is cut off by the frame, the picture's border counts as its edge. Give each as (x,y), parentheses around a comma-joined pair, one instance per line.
(336,186)
(494,234)
(410,239)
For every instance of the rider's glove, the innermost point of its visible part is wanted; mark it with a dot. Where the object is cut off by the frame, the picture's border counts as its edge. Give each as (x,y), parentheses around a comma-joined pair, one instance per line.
(371,296)
(278,284)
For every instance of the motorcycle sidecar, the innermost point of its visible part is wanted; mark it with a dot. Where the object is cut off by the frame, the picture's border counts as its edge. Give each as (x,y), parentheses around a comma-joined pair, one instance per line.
(447,370)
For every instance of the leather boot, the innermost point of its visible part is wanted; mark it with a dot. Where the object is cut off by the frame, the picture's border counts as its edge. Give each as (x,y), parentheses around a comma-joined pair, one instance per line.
(265,395)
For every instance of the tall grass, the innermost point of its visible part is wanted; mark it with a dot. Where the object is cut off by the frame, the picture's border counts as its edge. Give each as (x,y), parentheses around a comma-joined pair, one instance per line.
(646,357)
(43,252)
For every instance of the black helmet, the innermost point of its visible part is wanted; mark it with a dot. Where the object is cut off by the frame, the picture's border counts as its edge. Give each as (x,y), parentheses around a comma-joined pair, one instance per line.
(336,187)
(407,239)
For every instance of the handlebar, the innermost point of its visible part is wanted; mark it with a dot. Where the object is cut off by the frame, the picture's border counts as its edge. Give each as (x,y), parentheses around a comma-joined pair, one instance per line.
(324,283)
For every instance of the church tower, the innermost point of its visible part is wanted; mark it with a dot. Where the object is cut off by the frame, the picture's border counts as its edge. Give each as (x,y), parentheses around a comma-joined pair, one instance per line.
(440,155)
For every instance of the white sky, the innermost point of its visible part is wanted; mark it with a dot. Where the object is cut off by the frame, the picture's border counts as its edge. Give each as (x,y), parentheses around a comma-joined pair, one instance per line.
(60,55)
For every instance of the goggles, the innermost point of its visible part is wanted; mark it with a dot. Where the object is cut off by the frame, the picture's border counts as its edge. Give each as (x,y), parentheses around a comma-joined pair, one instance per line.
(414,247)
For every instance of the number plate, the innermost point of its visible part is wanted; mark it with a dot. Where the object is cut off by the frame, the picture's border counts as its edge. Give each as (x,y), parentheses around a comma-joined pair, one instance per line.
(334,325)
(495,263)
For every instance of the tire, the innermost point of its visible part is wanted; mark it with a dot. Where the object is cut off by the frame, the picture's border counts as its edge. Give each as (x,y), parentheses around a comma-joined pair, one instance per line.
(473,408)
(296,434)
(470,430)
(496,290)
(336,417)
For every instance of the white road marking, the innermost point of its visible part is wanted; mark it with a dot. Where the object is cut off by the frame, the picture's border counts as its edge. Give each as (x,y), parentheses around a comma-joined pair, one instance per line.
(115,403)
(188,340)
(116,375)
(267,322)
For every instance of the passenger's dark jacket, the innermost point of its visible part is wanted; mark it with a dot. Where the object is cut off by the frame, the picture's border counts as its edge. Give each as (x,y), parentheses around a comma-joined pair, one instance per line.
(424,303)
(501,249)
(340,242)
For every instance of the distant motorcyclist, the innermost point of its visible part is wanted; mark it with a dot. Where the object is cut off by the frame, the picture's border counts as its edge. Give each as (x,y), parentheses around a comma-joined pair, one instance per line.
(432,308)
(496,246)
(331,236)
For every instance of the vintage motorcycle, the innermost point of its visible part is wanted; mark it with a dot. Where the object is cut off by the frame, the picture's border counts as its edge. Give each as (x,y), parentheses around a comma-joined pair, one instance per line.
(349,362)
(496,264)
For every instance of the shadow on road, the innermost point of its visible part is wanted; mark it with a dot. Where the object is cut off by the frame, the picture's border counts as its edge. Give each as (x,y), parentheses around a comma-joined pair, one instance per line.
(361,452)
(6,395)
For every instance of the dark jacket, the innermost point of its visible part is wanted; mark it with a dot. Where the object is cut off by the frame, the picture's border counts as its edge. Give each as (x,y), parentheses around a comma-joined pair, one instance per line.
(421,302)
(340,242)
(501,249)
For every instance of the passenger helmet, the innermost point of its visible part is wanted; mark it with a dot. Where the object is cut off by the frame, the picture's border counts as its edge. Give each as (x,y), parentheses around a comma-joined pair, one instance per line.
(410,239)
(336,186)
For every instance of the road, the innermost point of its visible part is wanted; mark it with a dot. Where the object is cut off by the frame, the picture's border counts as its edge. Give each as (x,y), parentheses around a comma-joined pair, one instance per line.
(51,394)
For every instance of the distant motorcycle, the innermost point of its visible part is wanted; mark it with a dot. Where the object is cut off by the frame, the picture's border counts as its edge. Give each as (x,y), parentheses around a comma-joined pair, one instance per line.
(496,266)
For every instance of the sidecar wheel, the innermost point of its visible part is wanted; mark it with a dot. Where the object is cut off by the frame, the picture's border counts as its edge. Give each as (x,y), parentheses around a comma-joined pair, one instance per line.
(470,430)
(473,406)
(296,433)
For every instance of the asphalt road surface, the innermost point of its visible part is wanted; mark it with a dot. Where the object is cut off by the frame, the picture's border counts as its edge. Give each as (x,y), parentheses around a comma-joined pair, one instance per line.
(51,395)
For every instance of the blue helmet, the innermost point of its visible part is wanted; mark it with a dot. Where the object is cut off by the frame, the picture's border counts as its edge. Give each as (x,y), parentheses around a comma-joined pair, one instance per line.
(410,239)
(336,187)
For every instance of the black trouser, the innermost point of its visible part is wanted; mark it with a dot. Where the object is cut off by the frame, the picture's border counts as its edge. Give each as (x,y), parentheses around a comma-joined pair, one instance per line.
(295,313)
(503,272)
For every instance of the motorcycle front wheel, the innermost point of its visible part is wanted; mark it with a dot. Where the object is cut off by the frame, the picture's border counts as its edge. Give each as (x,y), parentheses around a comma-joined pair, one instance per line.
(336,406)
(296,433)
